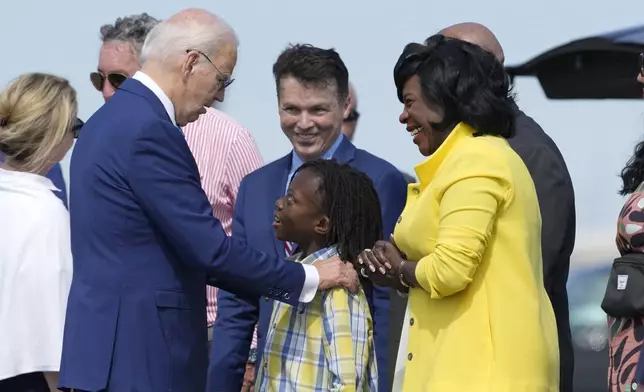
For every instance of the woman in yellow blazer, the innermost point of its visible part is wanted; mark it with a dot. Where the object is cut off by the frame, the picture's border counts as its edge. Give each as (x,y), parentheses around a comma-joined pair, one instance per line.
(478,317)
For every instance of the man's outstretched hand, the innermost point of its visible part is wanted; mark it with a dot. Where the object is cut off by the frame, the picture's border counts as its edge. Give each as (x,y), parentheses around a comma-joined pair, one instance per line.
(335,273)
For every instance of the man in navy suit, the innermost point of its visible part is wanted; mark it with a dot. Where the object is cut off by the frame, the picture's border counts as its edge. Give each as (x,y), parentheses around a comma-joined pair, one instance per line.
(143,234)
(312,91)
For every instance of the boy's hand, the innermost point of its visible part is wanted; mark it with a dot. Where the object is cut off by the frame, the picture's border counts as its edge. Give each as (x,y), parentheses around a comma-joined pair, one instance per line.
(336,273)
(249,378)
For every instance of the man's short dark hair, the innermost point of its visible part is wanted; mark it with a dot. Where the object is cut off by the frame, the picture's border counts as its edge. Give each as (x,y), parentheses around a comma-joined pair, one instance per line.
(467,82)
(312,66)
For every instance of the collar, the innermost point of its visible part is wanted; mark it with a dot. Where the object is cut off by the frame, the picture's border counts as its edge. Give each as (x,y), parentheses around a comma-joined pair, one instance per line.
(11,178)
(154,87)
(425,170)
(296,161)
(321,254)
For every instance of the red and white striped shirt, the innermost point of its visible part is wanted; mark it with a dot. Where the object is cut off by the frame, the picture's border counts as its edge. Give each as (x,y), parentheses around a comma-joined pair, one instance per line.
(225,152)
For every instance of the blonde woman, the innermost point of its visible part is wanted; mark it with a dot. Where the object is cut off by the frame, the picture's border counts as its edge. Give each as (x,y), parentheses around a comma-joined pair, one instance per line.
(37,127)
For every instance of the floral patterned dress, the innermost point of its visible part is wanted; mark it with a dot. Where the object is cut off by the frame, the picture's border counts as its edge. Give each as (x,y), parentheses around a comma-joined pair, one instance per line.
(627,334)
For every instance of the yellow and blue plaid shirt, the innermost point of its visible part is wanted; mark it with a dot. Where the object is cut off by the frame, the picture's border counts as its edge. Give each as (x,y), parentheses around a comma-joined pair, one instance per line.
(325,345)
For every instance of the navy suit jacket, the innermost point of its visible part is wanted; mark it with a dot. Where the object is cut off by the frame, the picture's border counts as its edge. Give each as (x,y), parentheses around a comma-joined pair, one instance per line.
(143,240)
(252,223)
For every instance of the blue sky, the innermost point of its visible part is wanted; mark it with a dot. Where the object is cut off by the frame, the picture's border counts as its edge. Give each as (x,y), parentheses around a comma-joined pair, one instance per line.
(596,137)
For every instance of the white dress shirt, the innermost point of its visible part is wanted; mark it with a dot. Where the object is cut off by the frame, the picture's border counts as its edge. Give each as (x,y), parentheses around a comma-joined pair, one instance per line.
(35,274)
(312,278)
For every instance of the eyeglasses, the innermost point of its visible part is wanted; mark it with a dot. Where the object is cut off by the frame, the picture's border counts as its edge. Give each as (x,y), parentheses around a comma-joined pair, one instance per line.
(114,78)
(354,115)
(223,81)
(642,65)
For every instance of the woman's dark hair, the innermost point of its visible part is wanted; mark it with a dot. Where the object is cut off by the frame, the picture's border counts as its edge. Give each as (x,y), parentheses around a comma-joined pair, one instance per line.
(351,202)
(467,82)
(633,173)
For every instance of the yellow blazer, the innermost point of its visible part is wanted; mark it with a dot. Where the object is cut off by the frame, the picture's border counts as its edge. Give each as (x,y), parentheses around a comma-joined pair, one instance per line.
(481,320)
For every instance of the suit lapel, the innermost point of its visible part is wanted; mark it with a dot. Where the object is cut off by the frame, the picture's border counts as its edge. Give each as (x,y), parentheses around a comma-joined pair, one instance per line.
(346,152)
(276,190)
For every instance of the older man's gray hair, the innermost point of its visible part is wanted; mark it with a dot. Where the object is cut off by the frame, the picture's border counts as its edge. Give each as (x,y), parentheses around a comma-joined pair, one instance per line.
(130,29)
(206,33)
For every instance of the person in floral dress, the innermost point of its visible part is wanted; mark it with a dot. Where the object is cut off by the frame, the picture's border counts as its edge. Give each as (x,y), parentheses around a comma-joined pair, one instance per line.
(627,333)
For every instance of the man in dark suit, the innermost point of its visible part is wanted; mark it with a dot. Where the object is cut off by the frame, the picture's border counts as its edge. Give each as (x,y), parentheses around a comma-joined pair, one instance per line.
(143,233)
(556,200)
(312,90)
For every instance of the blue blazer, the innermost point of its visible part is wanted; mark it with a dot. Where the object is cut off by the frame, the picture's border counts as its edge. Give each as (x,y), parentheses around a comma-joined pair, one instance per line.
(143,240)
(252,223)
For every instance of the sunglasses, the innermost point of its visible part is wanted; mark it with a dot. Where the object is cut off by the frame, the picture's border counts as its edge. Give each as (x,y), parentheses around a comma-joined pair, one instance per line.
(354,115)
(642,65)
(76,127)
(114,78)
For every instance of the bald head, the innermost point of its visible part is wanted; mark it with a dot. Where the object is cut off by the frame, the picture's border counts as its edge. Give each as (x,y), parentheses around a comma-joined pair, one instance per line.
(353,97)
(477,34)
(351,120)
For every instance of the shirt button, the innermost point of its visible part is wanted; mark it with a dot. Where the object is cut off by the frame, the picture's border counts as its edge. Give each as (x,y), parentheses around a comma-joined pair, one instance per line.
(415,191)
(274,326)
(409,356)
(411,321)
(399,218)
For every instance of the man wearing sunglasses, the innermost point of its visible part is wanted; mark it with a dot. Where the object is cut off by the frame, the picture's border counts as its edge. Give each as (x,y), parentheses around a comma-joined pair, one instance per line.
(225,151)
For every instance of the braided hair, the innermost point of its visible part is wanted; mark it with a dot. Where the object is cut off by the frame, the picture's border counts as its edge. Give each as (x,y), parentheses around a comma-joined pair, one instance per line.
(351,202)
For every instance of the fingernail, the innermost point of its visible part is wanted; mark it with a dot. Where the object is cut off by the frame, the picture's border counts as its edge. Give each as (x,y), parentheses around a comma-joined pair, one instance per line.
(372,268)
(360,260)
(382,270)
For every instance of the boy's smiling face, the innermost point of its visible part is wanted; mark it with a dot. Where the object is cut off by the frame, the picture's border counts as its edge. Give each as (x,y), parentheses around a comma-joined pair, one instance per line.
(298,215)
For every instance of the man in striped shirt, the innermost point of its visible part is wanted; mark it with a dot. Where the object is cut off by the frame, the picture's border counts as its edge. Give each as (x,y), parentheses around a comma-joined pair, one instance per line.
(224,151)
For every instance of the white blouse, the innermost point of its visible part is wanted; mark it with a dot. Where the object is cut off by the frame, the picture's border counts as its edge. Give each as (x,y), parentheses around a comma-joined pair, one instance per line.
(35,274)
